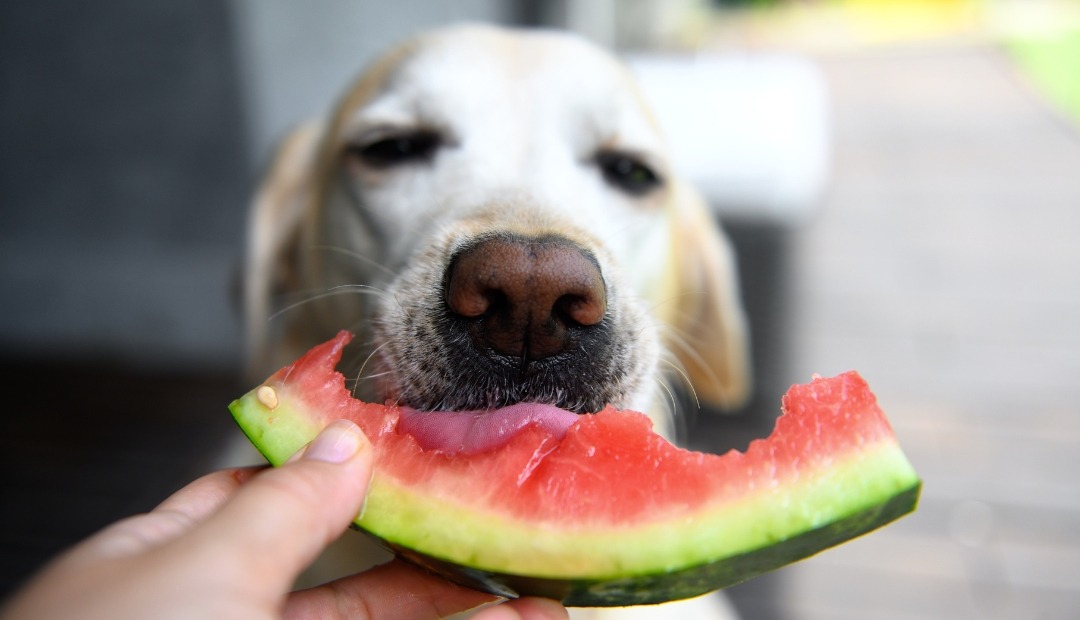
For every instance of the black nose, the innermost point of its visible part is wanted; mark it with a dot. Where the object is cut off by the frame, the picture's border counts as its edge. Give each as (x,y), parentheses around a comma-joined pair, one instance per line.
(526,297)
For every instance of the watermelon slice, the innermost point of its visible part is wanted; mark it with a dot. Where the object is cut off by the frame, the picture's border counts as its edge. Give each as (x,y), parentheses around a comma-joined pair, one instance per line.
(597,510)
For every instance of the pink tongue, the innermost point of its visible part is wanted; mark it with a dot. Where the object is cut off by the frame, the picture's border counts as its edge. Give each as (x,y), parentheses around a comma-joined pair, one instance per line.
(471,432)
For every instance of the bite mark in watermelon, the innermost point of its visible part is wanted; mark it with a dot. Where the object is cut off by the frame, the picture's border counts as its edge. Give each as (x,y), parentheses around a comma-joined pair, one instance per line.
(600,510)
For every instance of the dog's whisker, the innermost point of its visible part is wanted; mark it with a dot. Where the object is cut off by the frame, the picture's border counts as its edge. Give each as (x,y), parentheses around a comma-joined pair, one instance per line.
(397,302)
(686,378)
(671,358)
(360,373)
(675,299)
(377,375)
(670,405)
(681,342)
(355,386)
(341,289)
(358,256)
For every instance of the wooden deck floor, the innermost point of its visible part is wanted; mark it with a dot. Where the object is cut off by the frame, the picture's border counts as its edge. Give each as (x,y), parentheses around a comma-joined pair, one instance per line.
(945,266)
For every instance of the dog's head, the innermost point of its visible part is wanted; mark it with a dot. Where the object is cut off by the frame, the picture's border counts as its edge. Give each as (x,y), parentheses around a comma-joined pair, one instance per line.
(495,212)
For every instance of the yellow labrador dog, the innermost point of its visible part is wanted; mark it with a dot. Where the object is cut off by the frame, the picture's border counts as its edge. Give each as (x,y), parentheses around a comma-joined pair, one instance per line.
(494,213)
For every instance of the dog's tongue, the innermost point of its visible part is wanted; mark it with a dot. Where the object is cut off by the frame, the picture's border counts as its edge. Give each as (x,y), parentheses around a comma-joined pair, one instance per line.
(471,432)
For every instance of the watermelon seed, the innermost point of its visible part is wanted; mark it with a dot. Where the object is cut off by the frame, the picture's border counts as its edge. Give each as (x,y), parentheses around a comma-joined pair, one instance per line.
(267,396)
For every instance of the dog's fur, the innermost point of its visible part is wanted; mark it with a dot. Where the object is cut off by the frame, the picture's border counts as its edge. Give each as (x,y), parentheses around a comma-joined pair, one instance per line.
(470,133)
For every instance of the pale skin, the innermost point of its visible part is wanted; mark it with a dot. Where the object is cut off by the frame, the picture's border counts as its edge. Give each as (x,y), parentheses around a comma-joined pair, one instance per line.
(230,544)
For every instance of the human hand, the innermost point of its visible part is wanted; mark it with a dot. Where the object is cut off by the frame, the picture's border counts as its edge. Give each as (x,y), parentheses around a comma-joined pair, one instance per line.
(230,545)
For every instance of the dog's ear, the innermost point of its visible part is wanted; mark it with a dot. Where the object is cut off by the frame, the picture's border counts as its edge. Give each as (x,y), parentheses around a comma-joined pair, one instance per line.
(709,323)
(273,236)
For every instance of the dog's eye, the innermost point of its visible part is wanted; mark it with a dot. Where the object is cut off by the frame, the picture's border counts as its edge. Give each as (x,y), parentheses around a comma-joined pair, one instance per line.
(397,149)
(628,173)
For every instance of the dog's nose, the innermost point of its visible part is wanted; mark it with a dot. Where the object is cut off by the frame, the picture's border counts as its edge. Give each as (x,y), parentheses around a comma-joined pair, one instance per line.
(526,297)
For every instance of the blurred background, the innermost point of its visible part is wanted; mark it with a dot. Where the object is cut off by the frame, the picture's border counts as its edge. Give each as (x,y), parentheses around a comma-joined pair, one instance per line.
(901,179)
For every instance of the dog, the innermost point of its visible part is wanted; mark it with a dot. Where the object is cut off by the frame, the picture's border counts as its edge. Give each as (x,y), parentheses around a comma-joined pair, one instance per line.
(494,212)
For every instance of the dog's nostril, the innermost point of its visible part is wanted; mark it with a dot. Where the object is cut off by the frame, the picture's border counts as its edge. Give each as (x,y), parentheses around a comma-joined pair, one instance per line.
(467,298)
(577,310)
(526,295)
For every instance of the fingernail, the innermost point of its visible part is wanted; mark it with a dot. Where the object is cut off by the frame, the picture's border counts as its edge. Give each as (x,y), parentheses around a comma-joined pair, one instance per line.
(336,443)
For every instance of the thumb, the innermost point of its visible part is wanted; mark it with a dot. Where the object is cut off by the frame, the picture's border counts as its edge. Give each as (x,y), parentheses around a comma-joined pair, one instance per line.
(282,518)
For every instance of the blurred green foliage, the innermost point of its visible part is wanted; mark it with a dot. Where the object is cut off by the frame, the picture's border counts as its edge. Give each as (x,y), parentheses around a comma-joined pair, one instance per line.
(1053,63)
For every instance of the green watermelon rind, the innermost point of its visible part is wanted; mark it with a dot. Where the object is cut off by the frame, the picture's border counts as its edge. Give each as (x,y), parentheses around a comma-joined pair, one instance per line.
(459,534)
(290,430)
(666,559)
(663,586)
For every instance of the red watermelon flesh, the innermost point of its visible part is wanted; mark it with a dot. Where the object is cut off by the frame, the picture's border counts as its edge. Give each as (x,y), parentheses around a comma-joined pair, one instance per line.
(597,509)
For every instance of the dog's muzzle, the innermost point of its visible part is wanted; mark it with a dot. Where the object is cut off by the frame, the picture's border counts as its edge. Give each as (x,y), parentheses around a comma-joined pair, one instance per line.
(518,319)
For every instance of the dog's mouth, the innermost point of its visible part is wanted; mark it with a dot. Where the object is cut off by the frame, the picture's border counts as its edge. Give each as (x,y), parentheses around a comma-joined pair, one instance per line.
(472,432)
(510,330)
(504,320)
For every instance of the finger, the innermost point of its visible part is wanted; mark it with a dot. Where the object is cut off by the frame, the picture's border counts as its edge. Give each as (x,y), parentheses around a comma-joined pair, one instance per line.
(172,518)
(528,608)
(392,590)
(279,521)
(203,497)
